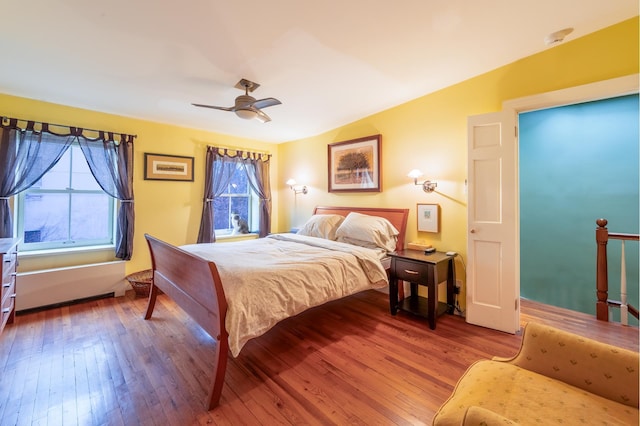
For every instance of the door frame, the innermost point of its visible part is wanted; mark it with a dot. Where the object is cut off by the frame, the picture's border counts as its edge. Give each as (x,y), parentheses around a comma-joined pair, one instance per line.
(620,86)
(627,85)
(512,108)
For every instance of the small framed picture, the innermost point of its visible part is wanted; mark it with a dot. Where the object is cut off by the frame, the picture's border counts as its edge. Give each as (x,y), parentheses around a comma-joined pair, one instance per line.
(428,218)
(167,167)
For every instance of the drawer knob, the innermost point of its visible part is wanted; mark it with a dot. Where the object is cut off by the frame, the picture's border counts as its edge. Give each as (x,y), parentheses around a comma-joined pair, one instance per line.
(6,285)
(6,310)
(408,271)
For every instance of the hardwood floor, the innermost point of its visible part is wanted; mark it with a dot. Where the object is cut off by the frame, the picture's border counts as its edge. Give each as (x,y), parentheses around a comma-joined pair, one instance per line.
(347,362)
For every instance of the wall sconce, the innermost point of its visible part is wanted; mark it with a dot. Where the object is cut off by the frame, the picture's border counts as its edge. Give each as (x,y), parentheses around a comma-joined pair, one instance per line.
(297,189)
(427,185)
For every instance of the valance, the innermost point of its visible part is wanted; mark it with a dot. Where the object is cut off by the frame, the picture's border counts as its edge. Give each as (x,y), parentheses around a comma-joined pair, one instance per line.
(63,130)
(237,153)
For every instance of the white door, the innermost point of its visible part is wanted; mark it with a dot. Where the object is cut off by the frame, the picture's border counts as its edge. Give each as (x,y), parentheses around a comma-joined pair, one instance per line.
(493,277)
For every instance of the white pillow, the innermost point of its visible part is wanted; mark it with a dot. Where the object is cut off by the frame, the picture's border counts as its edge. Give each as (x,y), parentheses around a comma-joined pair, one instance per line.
(322,226)
(368,231)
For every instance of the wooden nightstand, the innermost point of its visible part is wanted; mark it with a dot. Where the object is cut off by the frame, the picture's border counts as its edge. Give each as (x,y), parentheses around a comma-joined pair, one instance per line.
(429,270)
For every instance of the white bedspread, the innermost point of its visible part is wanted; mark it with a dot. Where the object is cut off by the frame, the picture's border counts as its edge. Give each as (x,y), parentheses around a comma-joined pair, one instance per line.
(270,279)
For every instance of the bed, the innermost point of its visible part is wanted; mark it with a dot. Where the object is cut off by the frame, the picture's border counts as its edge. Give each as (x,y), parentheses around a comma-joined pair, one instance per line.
(235,292)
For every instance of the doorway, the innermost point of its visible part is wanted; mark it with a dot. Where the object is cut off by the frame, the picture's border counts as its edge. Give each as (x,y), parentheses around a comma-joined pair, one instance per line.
(495,310)
(577,163)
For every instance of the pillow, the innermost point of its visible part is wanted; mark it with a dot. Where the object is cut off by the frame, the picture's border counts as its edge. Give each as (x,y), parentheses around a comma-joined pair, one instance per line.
(360,243)
(322,226)
(368,231)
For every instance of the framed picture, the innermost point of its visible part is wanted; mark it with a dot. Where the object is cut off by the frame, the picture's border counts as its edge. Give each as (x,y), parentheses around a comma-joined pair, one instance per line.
(428,218)
(354,165)
(167,167)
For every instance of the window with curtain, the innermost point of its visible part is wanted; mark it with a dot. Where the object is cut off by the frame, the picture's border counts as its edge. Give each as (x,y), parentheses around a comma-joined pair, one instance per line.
(65,208)
(43,159)
(235,182)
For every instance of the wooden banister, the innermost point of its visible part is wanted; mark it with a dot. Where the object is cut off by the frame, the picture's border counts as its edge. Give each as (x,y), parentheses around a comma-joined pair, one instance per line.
(602,277)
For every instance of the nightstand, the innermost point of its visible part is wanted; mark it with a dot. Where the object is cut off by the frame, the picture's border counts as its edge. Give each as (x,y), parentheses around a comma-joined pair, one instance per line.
(428,270)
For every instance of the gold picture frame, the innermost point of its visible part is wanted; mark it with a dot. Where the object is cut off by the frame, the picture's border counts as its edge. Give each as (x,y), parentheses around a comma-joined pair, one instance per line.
(428,217)
(168,167)
(354,165)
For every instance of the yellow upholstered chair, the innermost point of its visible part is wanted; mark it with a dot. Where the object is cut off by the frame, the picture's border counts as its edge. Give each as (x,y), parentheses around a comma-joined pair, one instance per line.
(556,378)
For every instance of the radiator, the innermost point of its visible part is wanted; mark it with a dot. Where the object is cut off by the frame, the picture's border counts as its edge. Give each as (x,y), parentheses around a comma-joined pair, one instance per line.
(52,286)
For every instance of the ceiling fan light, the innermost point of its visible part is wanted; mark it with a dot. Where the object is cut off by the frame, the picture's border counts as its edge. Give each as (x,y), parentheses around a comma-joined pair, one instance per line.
(247,114)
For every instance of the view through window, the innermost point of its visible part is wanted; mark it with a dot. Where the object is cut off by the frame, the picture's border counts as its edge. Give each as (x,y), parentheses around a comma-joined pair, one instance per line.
(238,200)
(65,208)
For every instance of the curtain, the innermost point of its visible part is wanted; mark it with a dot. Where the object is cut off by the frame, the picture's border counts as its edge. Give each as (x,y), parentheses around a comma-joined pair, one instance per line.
(221,166)
(111,163)
(258,174)
(25,156)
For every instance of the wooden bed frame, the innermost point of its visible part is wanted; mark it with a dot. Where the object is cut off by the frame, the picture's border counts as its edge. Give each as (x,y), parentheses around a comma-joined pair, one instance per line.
(194,284)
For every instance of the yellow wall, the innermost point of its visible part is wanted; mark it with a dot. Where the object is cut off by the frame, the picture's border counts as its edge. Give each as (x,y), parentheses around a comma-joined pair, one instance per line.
(430,133)
(168,210)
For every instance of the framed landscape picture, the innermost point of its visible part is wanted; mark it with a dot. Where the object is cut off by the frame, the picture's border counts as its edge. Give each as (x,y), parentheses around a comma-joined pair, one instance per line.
(167,167)
(354,165)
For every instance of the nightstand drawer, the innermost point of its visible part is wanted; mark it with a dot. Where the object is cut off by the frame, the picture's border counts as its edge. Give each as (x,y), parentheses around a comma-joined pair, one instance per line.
(407,270)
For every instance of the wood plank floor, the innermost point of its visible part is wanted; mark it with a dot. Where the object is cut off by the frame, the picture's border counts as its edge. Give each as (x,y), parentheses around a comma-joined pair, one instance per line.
(347,362)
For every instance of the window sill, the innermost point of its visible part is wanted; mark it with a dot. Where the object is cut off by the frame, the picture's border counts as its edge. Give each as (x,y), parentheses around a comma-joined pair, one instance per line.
(63,251)
(238,237)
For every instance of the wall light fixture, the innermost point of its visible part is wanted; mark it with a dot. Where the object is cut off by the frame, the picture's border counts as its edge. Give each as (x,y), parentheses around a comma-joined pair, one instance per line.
(297,189)
(427,185)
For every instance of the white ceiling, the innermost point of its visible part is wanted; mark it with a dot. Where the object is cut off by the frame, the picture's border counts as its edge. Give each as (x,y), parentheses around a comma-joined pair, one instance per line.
(329,62)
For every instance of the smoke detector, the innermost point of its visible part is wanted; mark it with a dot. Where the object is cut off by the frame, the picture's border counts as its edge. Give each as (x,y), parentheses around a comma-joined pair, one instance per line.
(557,37)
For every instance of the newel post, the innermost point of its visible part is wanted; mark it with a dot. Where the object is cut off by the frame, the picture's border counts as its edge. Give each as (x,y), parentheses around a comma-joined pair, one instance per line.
(602,286)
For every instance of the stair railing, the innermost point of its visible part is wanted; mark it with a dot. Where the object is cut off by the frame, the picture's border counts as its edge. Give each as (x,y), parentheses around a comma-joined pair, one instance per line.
(602,277)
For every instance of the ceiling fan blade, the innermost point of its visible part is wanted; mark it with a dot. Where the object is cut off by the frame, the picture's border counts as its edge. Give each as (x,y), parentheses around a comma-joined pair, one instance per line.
(214,107)
(262,116)
(266,102)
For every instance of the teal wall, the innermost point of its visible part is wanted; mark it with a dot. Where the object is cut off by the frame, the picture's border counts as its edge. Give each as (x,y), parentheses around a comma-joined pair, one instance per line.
(577,163)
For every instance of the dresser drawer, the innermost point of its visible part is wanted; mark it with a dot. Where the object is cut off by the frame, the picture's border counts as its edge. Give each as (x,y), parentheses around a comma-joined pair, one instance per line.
(8,302)
(407,270)
(8,265)
(8,283)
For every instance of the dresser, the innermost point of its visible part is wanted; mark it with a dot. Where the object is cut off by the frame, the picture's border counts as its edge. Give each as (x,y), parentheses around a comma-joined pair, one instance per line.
(420,269)
(8,267)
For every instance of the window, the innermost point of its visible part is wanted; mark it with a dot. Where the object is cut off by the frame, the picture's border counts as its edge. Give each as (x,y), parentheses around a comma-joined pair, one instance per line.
(238,199)
(65,208)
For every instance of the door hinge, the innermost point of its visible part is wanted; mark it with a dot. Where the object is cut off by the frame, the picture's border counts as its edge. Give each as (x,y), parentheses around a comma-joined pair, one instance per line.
(515,131)
(516,304)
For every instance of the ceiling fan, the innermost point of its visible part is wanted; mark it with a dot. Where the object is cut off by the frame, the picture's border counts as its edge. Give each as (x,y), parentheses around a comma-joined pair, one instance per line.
(247,106)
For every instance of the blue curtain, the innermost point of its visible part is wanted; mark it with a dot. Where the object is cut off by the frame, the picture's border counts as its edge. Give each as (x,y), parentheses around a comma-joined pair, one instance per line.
(26,154)
(111,163)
